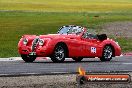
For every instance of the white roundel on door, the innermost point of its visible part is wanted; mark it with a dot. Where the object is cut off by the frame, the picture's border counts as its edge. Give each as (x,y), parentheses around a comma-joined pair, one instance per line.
(93,50)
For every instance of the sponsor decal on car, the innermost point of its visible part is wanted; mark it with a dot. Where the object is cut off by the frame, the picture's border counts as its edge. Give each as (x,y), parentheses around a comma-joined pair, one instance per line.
(93,50)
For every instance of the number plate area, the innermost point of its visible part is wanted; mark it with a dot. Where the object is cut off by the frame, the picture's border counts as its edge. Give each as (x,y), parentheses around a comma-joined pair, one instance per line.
(32,53)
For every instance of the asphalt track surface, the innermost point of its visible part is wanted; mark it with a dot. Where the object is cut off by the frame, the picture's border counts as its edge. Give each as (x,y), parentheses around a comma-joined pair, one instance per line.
(46,66)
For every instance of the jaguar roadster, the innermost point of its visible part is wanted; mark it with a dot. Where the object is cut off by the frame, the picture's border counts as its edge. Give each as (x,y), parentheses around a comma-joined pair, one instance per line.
(70,41)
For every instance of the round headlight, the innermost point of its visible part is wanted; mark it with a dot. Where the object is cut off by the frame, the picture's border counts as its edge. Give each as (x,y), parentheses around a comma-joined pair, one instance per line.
(25,41)
(41,42)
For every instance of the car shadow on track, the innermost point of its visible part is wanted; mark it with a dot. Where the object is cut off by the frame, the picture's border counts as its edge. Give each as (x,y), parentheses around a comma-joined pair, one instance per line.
(65,62)
(72,61)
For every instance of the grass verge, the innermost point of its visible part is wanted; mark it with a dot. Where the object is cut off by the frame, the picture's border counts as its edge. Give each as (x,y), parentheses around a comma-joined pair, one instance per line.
(14,24)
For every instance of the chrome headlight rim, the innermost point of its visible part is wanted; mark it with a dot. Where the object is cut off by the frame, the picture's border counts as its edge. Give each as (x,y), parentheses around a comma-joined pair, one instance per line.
(25,41)
(41,42)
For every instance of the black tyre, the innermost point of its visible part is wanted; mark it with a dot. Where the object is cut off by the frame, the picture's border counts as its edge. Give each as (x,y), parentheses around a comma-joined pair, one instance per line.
(59,53)
(77,59)
(107,53)
(28,58)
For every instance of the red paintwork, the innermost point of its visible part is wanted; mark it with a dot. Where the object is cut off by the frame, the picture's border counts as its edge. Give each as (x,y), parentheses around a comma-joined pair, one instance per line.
(77,46)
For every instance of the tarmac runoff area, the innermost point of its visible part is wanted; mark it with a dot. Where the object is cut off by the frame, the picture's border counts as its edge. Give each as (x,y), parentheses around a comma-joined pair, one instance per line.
(52,81)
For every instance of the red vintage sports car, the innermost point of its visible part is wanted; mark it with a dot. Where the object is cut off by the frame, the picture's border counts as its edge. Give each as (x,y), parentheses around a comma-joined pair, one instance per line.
(70,42)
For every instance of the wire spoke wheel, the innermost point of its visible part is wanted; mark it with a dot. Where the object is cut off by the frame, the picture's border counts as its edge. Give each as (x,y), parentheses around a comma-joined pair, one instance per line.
(59,53)
(107,53)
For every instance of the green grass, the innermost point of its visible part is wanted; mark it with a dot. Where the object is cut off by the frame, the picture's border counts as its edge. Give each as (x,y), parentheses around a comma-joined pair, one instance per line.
(125,44)
(14,24)
(67,5)
(42,17)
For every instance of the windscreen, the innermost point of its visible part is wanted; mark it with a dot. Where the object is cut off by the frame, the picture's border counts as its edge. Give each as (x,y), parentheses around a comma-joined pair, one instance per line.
(70,30)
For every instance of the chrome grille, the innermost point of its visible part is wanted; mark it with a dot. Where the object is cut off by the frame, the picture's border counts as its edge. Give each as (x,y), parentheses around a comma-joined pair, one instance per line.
(34,43)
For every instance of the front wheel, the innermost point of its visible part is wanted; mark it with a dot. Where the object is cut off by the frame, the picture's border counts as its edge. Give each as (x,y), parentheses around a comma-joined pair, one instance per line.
(77,59)
(107,53)
(59,53)
(28,58)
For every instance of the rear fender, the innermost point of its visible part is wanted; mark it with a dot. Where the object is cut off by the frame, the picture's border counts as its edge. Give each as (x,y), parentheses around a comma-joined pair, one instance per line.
(115,47)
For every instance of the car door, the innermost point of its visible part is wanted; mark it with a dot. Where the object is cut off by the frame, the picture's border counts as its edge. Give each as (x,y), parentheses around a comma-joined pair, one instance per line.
(91,45)
(76,48)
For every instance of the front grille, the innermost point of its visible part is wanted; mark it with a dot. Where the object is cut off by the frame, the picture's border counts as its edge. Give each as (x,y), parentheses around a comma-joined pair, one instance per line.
(34,44)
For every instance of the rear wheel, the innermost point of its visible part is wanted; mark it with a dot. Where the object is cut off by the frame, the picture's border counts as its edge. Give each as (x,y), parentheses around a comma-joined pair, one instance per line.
(77,59)
(107,53)
(28,58)
(59,53)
